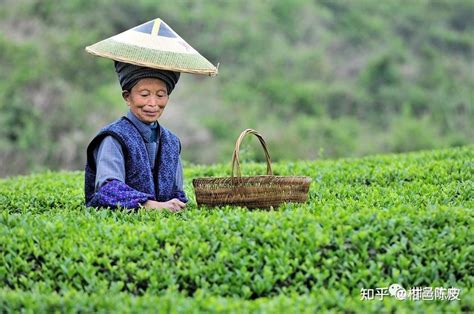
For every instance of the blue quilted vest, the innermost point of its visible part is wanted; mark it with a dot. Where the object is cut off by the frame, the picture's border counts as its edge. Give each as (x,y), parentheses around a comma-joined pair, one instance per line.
(138,173)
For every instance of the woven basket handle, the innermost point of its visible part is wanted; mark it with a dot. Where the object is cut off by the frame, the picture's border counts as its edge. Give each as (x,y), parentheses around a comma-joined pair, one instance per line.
(235,156)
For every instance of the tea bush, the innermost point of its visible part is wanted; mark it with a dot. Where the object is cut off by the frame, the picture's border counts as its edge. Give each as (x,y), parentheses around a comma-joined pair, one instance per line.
(368,223)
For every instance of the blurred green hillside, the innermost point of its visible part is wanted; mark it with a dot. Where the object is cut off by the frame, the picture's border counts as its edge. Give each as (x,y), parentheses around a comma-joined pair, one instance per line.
(317,78)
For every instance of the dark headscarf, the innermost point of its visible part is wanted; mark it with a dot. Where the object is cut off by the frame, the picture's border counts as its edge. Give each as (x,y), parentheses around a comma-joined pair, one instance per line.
(130,74)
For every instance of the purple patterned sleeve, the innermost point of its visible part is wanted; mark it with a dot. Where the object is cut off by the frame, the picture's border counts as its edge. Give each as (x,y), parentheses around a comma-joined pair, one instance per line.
(115,193)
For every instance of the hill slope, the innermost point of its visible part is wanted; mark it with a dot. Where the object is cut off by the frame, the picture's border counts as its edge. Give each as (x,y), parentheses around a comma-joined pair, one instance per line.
(369,223)
(352,78)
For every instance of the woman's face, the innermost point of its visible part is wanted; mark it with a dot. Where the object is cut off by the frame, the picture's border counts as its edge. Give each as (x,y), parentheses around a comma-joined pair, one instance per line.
(147,99)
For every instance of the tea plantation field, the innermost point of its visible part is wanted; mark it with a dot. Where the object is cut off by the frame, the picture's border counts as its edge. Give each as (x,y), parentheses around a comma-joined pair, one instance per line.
(369,223)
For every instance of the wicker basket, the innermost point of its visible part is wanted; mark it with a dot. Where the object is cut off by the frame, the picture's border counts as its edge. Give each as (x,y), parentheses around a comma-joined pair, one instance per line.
(251,192)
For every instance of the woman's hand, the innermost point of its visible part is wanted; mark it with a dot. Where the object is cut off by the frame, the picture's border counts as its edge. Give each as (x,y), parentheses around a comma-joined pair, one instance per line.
(174,205)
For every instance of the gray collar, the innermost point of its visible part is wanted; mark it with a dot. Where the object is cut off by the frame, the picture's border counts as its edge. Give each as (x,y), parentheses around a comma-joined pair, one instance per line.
(142,127)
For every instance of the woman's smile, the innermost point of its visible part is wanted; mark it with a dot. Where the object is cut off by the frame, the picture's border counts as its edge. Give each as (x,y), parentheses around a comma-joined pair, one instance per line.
(151,113)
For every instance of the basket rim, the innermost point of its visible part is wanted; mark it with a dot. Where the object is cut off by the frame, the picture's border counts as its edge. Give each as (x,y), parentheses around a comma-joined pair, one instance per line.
(257,176)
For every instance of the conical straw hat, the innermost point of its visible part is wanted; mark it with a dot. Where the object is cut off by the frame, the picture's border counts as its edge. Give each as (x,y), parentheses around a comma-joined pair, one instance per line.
(155,45)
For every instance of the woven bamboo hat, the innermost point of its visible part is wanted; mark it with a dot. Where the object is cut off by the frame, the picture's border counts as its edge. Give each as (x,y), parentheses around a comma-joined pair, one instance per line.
(154,45)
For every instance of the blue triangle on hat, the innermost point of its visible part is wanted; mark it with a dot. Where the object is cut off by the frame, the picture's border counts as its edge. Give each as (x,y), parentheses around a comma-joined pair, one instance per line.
(165,31)
(145,28)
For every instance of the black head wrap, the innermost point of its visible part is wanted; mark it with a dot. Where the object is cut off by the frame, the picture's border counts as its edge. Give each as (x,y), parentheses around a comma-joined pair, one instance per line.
(130,74)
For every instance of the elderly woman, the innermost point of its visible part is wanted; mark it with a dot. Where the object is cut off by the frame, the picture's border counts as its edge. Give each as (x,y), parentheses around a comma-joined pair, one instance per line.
(135,162)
